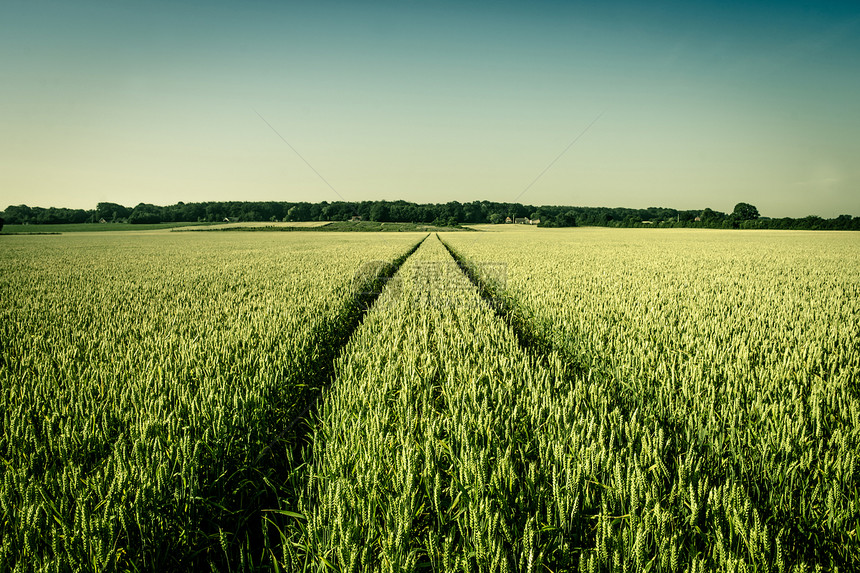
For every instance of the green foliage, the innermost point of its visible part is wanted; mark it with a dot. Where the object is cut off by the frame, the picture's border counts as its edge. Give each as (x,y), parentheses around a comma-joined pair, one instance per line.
(380,212)
(440,214)
(745,212)
(112,212)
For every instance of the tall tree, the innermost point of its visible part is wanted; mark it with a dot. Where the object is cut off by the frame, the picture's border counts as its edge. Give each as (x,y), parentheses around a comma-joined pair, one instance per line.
(745,212)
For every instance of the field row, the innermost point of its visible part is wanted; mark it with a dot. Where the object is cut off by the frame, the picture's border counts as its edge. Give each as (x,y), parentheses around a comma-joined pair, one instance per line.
(643,441)
(142,379)
(737,356)
(627,401)
(424,452)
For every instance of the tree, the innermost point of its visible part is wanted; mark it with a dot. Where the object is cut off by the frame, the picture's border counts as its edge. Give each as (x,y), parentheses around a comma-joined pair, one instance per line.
(496,218)
(112,211)
(811,222)
(299,212)
(710,216)
(380,212)
(567,219)
(18,214)
(1,223)
(145,213)
(452,209)
(745,212)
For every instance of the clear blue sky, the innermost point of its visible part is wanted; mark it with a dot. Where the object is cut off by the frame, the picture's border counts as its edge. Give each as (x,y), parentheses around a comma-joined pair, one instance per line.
(704,104)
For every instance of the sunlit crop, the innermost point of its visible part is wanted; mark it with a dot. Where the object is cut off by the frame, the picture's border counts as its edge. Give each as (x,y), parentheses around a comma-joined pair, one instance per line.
(142,379)
(576,400)
(717,421)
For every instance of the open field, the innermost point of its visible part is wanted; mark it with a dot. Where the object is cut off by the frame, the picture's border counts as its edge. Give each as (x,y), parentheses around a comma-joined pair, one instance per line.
(327,226)
(143,377)
(725,368)
(91,227)
(519,400)
(256,224)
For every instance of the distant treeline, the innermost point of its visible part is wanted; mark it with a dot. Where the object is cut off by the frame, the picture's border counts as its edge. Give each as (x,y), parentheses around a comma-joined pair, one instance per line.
(744,215)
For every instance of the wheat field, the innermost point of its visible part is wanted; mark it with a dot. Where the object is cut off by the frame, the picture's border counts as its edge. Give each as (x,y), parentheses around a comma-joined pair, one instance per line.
(516,399)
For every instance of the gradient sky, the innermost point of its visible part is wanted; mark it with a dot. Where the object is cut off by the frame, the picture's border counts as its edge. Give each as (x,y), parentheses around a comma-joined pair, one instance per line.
(704,104)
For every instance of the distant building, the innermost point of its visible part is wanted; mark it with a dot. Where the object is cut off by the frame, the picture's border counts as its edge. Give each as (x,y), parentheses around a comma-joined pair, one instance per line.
(521,221)
(534,222)
(647,222)
(355,218)
(508,220)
